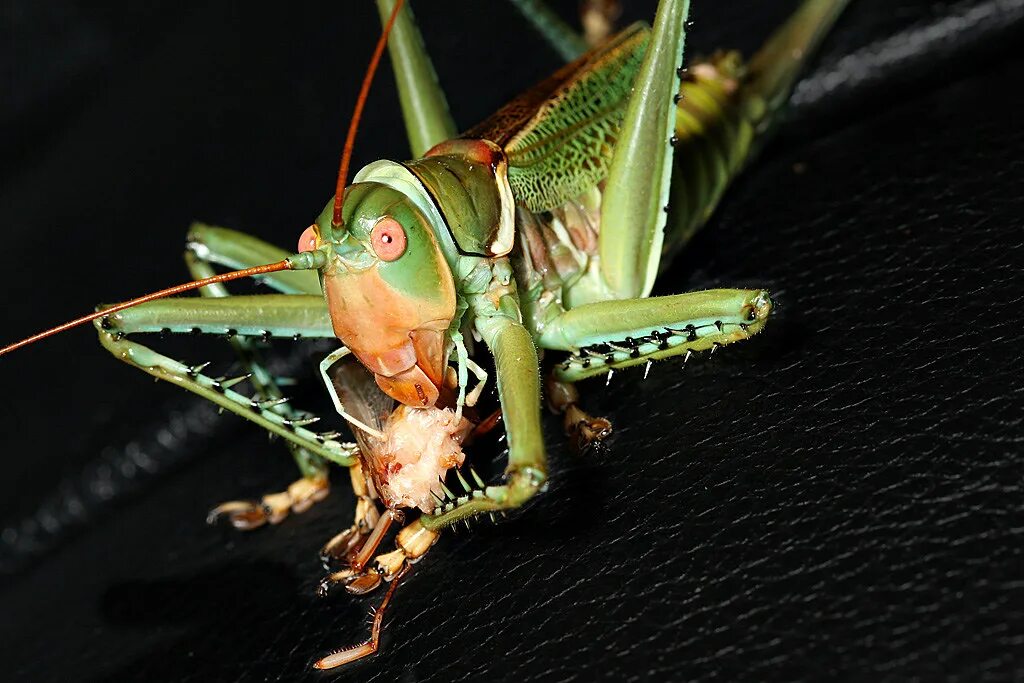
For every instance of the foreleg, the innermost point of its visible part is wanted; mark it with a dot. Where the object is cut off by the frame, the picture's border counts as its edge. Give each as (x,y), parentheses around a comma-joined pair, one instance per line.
(518,380)
(251,316)
(367,571)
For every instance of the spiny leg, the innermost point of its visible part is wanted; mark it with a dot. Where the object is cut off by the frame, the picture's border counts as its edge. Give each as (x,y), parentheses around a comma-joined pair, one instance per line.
(715,118)
(518,378)
(715,115)
(366,570)
(280,315)
(610,335)
(207,245)
(276,315)
(724,112)
(633,208)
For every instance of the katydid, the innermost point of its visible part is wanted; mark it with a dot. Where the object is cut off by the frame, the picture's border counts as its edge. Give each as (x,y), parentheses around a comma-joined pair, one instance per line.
(542,228)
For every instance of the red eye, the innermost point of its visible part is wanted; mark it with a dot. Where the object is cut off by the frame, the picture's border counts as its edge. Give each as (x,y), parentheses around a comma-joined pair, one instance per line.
(307,240)
(388,239)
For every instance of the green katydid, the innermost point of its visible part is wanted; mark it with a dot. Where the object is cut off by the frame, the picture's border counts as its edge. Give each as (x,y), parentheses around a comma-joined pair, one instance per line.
(542,228)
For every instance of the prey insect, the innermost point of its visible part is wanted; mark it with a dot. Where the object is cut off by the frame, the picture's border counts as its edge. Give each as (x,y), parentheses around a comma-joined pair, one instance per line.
(541,229)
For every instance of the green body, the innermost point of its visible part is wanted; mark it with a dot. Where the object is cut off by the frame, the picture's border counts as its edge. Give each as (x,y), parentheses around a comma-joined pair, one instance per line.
(551,220)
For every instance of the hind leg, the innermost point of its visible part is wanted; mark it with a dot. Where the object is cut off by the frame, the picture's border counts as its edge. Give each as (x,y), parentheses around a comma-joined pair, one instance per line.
(583,429)
(637,190)
(606,336)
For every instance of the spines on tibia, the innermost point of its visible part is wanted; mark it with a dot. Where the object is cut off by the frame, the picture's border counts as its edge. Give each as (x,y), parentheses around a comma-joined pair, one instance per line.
(675,339)
(290,426)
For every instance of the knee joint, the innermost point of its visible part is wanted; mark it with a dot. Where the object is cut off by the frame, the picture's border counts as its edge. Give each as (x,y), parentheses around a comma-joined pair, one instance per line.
(524,483)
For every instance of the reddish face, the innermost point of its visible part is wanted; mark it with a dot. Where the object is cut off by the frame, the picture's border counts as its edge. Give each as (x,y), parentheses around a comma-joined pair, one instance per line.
(390,292)
(401,342)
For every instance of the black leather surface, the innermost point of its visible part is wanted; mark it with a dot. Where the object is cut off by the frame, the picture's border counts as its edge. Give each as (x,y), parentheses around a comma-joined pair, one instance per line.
(841,497)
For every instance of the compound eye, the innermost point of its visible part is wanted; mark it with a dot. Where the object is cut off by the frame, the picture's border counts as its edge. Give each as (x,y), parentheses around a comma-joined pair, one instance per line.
(388,239)
(307,240)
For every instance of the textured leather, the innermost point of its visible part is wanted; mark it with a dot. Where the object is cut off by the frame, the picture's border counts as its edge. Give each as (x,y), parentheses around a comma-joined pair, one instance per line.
(839,498)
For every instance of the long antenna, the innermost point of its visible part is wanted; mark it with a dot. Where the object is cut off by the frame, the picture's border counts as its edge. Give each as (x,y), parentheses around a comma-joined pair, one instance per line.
(170,291)
(346,157)
(353,126)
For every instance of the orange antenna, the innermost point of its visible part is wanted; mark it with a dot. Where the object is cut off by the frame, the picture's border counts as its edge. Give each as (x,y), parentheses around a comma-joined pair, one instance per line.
(346,154)
(170,291)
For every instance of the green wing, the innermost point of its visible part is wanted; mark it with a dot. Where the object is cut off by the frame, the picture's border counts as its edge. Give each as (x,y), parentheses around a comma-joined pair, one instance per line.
(559,135)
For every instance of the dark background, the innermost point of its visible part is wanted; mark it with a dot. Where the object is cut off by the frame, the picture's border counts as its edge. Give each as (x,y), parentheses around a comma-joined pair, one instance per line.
(841,497)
